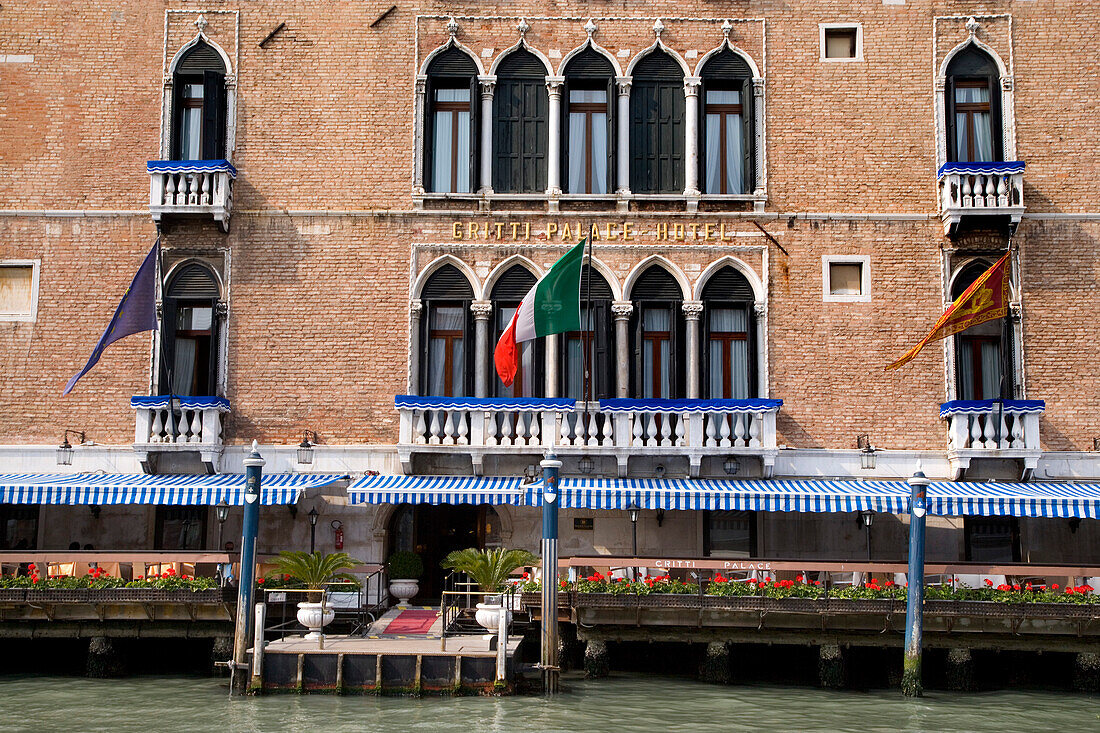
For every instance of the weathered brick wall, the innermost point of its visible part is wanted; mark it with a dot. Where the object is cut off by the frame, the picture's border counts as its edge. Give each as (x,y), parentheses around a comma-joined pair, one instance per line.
(318,305)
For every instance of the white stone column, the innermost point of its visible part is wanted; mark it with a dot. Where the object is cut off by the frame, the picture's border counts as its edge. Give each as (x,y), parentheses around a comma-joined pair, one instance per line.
(415,308)
(482,310)
(551,365)
(622,309)
(692,309)
(553,148)
(488,85)
(760,310)
(418,141)
(760,185)
(622,126)
(691,129)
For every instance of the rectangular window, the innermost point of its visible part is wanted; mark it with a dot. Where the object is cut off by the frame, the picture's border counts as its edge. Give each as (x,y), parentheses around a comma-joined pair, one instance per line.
(191,123)
(588,152)
(18,290)
(725,144)
(979,362)
(656,354)
(841,42)
(19,527)
(729,534)
(451,141)
(992,539)
(973,126)
(447,360)
(728,353)
(181,527)
(846,279)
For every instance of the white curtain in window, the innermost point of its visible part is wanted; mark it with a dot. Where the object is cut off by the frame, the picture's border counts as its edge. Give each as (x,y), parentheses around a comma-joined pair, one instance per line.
(991,370)
(961,148)
(735,178)
(599,152)
(654,385)
(183,367)
(574,369)
(191,133)
(965,365)
(462,153)
(983,137)
(439,361)
(727,321)
(713,133)
(442,153)
(576,152)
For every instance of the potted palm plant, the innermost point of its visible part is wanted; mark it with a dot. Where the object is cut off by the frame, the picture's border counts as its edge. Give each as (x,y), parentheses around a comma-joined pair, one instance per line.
(490,570)
(404,569)
(315,571)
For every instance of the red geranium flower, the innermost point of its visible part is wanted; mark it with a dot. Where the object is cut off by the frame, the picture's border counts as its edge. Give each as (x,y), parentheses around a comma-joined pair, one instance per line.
(798,577)
(32,567)
(261,580)
(1015,586)
(1028,586)
(34,578)
(170,571)
(889,584)
(817,582)
(1054,586)
(989,582)
(286,576)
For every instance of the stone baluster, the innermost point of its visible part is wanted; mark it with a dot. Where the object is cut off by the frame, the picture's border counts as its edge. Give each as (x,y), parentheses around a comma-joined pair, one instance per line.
(650,428)
(193,189)
(169,189)
(196,426)
(1005,437)
(967,191)
(156,432)
(463,428)
(608,431)
(754,429)
(435,430)
(506,431)
(1002,191)
(421,430)
(181,188)
(1017,430)
(449,429)
(636,429)
(665,419)
(975,430)
(989,431)
(534,438)
(990,191)
(681,429)
(738,419)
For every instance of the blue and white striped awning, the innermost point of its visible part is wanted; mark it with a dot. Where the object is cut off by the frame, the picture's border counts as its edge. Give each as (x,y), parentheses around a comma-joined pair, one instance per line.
(438,490)
(126,488)
(1041,499)
(215,165)
(494,404)
(1005,168)
(984,407)
(160,402)
(685,406)
(801,495)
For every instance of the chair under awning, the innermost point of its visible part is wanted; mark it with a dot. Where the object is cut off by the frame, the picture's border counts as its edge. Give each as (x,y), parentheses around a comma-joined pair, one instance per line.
(772,495)
(438,490)
(173,489)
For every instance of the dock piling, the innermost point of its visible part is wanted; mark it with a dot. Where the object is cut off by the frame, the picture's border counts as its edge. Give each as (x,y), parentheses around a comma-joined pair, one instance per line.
(911,683)
(249,528)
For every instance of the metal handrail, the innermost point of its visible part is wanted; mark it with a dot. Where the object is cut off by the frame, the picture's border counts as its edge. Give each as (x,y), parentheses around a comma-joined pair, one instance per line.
(450,611)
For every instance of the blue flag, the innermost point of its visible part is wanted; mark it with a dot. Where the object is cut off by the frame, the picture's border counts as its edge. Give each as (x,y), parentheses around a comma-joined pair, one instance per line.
(136,312)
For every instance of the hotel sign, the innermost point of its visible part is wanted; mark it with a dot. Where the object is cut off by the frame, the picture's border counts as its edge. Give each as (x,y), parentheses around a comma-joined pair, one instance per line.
(710,564)
(569,231)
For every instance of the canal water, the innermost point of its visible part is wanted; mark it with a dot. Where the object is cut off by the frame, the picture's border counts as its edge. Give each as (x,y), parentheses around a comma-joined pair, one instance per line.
(623,702)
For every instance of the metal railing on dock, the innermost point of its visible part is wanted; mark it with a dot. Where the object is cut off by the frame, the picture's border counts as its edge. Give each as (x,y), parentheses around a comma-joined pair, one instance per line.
(458,596)
(360,603)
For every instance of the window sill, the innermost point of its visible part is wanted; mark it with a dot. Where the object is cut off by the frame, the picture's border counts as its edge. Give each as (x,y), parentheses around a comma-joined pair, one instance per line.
(424,200)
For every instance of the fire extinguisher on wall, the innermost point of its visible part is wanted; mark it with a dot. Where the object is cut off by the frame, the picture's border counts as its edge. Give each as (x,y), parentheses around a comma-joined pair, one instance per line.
(338,534)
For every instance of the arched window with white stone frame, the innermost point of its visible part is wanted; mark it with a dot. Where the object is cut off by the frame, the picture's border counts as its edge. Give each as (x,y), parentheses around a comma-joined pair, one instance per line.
(451,122)
(727,136)
(985,363)
(973,115)
(200,104)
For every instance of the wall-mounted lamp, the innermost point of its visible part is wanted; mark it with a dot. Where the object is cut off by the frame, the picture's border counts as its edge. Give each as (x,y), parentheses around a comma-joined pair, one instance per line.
(65,450)
(586,465)
(731,466)
(95,509)
(660,470)
(313,514)
(221,513)
(305,448)
(867,458)
(866,518)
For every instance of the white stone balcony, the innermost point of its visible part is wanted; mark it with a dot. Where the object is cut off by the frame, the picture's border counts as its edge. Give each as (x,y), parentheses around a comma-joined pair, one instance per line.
(1001,429)
(618,427)
(981,189)
(190,188)
(191,424)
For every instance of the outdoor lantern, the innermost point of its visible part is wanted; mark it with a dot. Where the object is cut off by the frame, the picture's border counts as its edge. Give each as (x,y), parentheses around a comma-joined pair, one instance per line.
(867,458)
(313,514)
(221,511)
(731,466)
(867,518)
(65,450)
(305,448)
(586,465)
(633,509)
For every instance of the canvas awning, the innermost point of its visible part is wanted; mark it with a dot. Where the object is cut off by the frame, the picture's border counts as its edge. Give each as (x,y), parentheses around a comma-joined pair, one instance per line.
(437,490)
(125,488)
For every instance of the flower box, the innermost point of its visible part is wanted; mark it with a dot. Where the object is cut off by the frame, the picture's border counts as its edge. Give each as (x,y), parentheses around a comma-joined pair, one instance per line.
(12,595)
(123,595)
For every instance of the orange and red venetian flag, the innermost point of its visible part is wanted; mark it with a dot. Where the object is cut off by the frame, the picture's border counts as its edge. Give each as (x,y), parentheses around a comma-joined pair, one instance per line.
(985,300)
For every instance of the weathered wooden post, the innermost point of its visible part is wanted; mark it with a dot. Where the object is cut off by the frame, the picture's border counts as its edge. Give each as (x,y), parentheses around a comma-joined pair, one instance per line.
(254,464)
(911,685)
(549,657)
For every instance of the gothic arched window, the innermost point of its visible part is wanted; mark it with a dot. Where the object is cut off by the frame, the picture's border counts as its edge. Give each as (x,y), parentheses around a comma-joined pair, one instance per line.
(520,137)
(446,334)
(450,162)
(190,333)
(729,340)
(199,105)
(657,139)
(973,97)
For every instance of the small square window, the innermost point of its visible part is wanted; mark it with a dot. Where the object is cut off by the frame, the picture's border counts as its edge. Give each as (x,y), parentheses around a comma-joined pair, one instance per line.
(841,42)
(18,290)
(845,279)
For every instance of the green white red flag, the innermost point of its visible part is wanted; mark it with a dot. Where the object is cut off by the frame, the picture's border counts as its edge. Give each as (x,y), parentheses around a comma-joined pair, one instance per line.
(553,305)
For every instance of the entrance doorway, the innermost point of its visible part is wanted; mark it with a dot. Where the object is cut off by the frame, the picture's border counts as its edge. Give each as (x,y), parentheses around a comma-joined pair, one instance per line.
(434,531)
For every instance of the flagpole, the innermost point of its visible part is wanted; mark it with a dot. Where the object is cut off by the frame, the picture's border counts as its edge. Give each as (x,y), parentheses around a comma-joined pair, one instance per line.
(588,343)
(170,420)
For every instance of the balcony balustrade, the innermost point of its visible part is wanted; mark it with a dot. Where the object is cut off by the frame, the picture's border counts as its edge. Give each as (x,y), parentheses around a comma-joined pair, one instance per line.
(191,187)
(617,427)
(993,429)
(981,189)
(187,424)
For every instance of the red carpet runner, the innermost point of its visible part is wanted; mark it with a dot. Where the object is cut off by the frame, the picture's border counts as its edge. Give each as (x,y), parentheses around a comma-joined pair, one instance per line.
(412,622)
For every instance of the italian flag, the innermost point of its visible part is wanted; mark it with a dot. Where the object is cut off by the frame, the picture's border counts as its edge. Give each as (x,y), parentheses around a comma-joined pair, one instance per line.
(553,305)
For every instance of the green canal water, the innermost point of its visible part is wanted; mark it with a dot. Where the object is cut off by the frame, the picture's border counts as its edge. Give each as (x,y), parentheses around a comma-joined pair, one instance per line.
(624,702)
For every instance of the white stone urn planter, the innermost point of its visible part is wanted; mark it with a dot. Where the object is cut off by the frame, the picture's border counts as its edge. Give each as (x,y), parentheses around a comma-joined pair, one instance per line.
(488,614)
(403,589)
(311,616)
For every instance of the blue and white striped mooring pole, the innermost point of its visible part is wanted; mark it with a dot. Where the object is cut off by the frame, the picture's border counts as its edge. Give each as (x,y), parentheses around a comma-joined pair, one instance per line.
(911,685)
(549,657)
(253,467)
